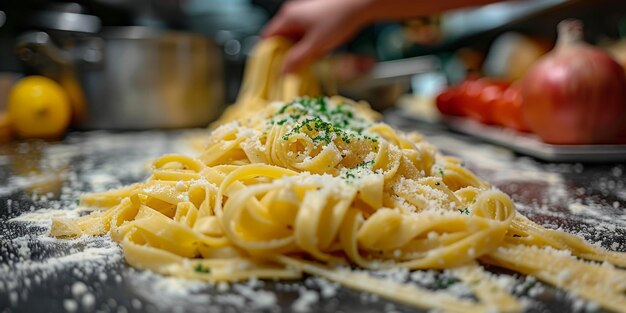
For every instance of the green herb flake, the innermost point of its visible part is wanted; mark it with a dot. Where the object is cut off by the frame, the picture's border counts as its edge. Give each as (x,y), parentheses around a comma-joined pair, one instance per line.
(528,285)
(445,283)
(314,118)
(465,211)
(201,269)
(365,164)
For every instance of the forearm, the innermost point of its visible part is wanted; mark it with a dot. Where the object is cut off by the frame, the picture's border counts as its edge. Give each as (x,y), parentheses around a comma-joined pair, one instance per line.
(376,10)
(318,26)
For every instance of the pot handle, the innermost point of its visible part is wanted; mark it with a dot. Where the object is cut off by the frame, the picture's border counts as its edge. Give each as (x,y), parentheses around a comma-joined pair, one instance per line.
(37,49)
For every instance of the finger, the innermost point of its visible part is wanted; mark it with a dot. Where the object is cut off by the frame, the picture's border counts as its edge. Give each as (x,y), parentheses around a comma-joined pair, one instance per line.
(314,45)
(273,26)
(302,54)
(283,27)
(365,63)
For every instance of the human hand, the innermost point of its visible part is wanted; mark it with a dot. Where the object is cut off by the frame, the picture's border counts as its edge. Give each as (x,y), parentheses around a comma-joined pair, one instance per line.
(317,26)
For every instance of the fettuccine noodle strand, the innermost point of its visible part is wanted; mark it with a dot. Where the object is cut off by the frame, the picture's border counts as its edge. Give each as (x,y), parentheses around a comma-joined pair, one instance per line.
(289,184)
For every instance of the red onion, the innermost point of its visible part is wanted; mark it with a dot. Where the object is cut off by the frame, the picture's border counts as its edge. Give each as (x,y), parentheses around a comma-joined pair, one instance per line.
(576,94)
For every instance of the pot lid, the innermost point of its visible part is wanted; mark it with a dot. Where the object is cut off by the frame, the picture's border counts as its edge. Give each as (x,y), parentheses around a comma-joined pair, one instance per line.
(70,17)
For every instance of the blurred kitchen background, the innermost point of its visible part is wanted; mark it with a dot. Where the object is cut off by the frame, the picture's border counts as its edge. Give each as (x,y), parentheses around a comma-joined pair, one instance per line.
(177,63)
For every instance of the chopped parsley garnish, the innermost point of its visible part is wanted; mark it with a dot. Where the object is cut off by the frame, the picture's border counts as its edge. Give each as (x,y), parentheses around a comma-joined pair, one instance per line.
(444,283)
(365,164)
(528,285)
(357,170)
(441,172)
(201,269)
(326,123)
(465,211)
(321,122)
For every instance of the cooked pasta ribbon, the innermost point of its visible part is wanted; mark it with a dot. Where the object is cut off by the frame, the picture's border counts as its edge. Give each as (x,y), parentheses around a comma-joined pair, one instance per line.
(290,184)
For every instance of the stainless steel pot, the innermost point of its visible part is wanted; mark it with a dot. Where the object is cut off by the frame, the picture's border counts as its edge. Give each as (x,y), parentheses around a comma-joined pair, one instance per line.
(132,77)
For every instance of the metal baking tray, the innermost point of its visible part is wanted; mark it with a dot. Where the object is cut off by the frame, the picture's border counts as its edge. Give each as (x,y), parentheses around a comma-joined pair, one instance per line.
(531,145)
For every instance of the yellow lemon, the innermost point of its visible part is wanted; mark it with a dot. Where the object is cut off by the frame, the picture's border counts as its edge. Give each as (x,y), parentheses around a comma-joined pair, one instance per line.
(38,107)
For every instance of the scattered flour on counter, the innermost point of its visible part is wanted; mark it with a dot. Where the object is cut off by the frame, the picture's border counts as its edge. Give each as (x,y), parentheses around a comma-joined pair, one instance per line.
(259,298)
(85,255)
(170,292)
(503,167)
(88,301)
(70,305)
(594,213)
(328,289)
(579,208)
(306,299)
(93,254)
(43,217)
(60,174)
(17,183)
(81,256)
(78,289)
(542,192)
(100,181)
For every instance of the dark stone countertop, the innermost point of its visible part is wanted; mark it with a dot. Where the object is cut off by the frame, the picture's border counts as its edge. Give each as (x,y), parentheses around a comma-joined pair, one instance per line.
(40,274)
